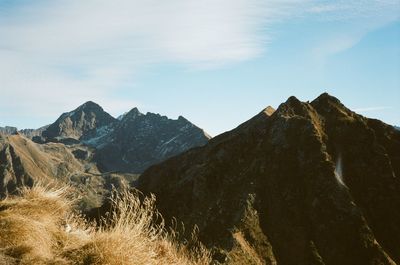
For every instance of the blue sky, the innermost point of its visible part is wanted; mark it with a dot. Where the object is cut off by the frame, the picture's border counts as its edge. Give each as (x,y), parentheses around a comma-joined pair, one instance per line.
(217,62)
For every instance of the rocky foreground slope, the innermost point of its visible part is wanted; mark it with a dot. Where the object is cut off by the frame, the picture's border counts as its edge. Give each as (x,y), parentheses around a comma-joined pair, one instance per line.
(310,183)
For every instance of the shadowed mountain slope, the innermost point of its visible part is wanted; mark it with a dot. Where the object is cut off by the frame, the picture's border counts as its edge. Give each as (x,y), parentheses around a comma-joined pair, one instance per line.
(311,183)
(131,143)
(139,140)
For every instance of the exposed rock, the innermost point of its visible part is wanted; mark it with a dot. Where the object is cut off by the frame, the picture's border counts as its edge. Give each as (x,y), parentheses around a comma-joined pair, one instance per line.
(7,130)
(141,140)
(78,124)
(31,133)
(131,143)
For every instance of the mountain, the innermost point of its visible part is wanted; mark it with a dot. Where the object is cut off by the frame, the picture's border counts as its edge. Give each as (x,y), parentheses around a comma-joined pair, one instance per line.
(131,143)
(78,124)
(309,183)
(24,163)
(8,130)
(30,133)
(140,140)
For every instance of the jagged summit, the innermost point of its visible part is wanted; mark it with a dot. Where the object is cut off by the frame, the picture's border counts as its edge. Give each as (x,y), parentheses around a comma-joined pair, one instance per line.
(132,114)
(327,98)
(79,123)
(268,111)
(90,104)
(86,107)
(181,118)
(130,143)
(141,140)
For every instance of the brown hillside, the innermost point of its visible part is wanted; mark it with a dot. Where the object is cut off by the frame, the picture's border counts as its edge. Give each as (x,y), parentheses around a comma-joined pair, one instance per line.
(311,183)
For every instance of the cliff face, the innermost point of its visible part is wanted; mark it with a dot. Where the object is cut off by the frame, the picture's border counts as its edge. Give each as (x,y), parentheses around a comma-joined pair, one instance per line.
(8,130)
(131,143)
(311,183)
(140,140)
(79,123)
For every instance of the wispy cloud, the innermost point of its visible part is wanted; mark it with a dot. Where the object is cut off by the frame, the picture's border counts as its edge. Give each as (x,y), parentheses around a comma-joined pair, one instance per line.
(60,53)
(372,109)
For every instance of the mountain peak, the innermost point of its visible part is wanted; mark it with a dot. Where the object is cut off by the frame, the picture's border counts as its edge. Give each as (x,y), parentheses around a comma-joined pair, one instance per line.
(268,111)
(325,98)
(79,122)
(328,104)
(146,139)
(292,106)
(318,170)
(89,106)
(132,114)
(181,118)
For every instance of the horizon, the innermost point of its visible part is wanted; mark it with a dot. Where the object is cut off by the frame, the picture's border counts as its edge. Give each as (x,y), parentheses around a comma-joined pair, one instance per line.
(175,118)
(215,63)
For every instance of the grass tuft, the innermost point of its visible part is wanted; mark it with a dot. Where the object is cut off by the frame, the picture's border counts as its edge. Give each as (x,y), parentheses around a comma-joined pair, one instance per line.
(39,226)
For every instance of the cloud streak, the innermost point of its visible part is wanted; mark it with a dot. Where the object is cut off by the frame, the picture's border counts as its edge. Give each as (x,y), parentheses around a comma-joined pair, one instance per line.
(372,109)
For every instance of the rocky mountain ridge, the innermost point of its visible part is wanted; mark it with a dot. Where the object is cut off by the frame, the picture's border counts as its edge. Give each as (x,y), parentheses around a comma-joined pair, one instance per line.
(310,183)
(140,140)
(129,144)
(8,130)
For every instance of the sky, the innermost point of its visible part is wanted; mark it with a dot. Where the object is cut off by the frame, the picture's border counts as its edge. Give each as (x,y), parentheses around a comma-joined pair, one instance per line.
(215,62)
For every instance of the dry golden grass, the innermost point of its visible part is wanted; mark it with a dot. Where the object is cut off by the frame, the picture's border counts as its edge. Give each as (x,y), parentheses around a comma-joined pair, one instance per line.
(243,252)
(40,227)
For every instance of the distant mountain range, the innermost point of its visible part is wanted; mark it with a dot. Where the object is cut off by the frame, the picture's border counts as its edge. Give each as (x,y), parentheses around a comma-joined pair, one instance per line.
(8,130)
(129,144)
(307,183)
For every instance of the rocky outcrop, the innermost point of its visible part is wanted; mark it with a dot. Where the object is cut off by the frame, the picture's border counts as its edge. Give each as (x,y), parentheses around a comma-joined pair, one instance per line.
(140,140)
(311,183)
(78,124)
(34,133)
(8,130)
(130,143)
